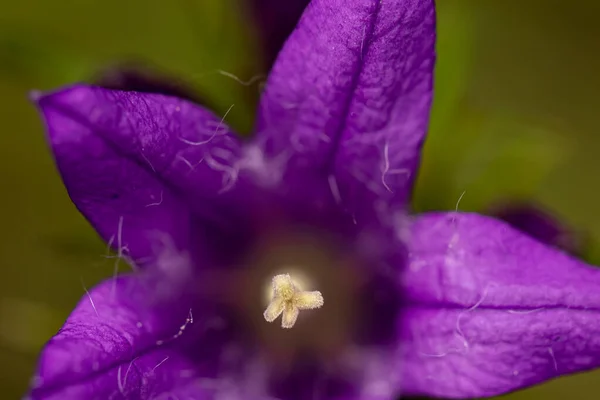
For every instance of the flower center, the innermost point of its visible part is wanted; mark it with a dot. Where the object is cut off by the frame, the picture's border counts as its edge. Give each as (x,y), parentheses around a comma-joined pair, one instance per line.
(288,299)
(277,279)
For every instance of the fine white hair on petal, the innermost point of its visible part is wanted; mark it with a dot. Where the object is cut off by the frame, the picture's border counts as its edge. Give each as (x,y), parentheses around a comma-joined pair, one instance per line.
(457,205)
(147,160)
(187,162)
(219,129)
(254,79)
(156,203)
(122,251)
(458,329)
(229,169)
(164,360)
(127,372)
(551,352)
(87,292)
(373,179)
(221,155)
(119,382)
(387,170)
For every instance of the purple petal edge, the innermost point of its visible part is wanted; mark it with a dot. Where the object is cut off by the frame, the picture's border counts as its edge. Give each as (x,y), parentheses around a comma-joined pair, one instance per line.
(105,351)
(491,310)
(142,168)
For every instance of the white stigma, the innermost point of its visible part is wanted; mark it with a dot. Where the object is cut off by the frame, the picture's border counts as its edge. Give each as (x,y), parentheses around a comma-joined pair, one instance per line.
(287,300)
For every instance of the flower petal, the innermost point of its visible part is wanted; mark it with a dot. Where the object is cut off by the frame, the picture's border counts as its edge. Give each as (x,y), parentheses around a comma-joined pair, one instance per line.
(491,310)
(108,349)
(349,96)
(136,164)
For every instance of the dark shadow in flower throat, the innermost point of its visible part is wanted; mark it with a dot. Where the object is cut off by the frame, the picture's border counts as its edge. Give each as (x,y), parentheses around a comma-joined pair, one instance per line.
(318,248)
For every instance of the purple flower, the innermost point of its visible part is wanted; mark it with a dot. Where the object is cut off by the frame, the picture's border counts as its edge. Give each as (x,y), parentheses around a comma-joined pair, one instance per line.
(443,304)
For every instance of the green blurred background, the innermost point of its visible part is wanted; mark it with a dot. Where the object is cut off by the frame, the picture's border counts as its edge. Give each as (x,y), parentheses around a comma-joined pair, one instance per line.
(514,119)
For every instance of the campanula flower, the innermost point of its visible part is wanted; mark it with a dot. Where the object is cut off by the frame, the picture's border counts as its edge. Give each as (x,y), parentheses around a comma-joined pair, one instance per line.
(288,265)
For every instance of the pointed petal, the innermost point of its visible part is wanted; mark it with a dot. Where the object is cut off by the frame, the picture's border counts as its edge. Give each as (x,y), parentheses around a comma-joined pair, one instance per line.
(491,310)
(108,349)
(274,309)
(349,96)
(139,166)
(308,300)
(289,316)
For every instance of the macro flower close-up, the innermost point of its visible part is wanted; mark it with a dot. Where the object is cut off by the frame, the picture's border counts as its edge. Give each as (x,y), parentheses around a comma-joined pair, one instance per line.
(289,264)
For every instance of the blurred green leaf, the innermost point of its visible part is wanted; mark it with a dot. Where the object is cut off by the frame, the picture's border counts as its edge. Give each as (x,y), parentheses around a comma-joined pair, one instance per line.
(454,45)
(196,39)
(40,61)
(491,154)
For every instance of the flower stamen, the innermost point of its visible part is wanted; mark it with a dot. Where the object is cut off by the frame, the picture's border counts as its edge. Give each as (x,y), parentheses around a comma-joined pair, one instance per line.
(287,300)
